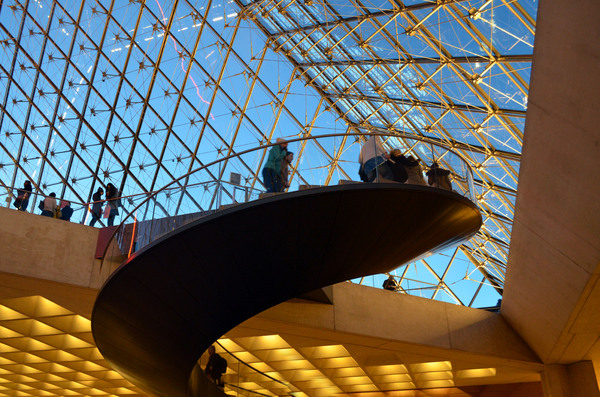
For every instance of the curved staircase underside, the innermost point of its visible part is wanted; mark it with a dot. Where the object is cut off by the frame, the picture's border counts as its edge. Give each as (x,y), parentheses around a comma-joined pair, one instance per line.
(167,303)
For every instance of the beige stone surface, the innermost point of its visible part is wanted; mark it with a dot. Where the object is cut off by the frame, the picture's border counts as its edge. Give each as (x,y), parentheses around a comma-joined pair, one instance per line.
(406,323)
(46,248)
(550,296)
(555,381)
(474,338)
(484,332)
(575,347)
(576,380)
(79,300)
(596,364)
(358,309)
(588,319)
(541,292)
(583,380)
(308,313)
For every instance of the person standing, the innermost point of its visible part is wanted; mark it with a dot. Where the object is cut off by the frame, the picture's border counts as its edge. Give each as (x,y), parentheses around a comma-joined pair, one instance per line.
(113,200)
(215,367)
(272,170)
(65,210)
(22,200)
(285,170)
(414,171)
(397,164)
(439,177)
(97,206)
(373,160)
(49,205)
(390,283)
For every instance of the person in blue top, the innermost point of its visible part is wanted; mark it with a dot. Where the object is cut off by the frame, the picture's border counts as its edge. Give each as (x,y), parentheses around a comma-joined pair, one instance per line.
(272,170)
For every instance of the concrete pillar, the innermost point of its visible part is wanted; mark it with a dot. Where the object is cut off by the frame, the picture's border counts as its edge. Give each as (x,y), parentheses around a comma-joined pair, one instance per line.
(573,380)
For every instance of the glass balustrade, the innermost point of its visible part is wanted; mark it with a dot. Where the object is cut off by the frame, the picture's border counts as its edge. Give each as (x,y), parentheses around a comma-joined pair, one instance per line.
(144,218)
(80,211)
(250,377)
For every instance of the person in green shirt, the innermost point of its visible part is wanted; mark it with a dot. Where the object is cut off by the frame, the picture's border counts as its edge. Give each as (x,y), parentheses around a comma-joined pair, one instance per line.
(272,169)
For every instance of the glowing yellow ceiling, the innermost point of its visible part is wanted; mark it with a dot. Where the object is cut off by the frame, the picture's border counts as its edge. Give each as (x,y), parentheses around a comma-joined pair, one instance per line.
(47,350)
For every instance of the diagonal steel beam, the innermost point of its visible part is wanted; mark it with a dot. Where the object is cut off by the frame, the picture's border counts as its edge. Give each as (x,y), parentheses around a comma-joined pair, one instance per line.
(429,60)
(343,21)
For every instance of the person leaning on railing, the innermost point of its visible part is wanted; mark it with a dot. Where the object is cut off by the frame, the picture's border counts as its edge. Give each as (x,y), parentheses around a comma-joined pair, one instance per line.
(397,165)
(373,160)
(414,171)
(439,177)
(65,210)
(390,283)
(49,205)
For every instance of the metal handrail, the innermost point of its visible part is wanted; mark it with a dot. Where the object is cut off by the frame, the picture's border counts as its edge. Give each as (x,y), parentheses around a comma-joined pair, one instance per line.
(130,198)
(10,193)
(253,369)
(292,140)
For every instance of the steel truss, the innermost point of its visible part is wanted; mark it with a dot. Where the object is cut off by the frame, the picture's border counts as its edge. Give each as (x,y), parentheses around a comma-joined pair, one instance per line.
(139,93)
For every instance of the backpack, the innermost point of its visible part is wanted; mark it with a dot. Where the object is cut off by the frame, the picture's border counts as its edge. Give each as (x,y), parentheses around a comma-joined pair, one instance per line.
(220,365)
(362,174)
(41,205)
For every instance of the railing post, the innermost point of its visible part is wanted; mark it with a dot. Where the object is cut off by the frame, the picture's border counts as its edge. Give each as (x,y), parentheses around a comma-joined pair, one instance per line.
(219,194)
(376,165)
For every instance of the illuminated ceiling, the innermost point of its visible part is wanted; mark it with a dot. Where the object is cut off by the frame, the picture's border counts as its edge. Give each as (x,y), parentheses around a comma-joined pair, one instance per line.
(47,350)
(305,366)
(138,93)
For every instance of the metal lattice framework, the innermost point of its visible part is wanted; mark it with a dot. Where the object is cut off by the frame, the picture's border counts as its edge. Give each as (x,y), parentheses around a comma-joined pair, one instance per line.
(138,93)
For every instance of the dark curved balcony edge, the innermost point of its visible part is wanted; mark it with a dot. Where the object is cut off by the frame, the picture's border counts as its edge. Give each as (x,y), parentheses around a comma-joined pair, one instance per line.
(166,304)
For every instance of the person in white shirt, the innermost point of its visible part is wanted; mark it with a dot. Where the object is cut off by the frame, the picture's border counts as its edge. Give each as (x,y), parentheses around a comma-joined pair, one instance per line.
(49,205)
(373,160)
